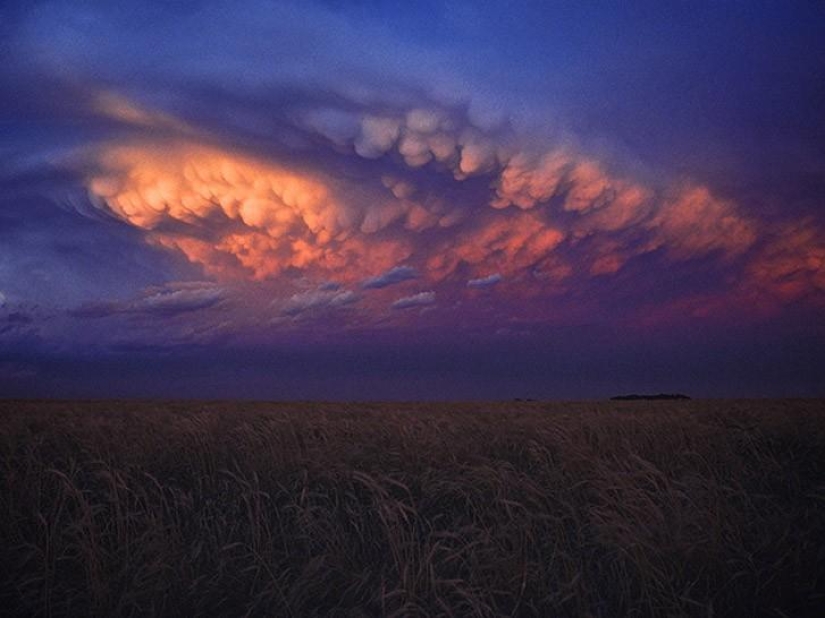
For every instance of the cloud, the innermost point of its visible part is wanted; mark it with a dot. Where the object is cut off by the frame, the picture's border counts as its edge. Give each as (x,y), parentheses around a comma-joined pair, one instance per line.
(319,299)
(484,282)
(401,189)
(20,324)
(256,157)
(395,275)
(117,107)
(2,300)
(239,216)
(378,135)
(546,211)
(271,147)
(209,63)
(421,299)
(15,322)
(169,300)
(506,245)
(789,266)
(693,222)
(336,125)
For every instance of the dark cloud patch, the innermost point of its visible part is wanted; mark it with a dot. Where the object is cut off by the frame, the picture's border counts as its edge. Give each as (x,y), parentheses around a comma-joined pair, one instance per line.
(51,255)
(18,317)
(317,300)
(422,299)
(170,300)
(21,326)
(393,276)
(484,282)
(14,322)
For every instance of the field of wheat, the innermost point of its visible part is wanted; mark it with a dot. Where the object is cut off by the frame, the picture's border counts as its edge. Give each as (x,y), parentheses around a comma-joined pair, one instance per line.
(502,509)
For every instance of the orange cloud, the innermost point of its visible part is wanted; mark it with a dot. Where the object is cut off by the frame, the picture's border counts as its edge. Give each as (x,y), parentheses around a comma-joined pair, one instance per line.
(693,222)
(687,219)
(243,217)
(264,217)
(790,266)
(502,244)
(117,107)
(238,216)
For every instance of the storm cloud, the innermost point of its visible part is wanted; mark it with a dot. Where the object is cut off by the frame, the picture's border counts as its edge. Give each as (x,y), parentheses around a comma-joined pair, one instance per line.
(212,169)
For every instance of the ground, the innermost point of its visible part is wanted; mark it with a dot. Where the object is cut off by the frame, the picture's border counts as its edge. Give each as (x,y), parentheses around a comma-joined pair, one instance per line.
(647,508)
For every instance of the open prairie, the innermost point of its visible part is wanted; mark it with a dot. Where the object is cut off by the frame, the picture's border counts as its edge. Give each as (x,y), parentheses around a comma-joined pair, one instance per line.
(676,508)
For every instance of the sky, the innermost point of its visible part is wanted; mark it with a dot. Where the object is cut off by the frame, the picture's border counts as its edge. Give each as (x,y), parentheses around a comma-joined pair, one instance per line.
(412,200)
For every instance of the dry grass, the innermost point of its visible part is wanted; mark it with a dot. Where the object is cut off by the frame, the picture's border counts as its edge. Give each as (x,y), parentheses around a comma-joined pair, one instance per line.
(522,509)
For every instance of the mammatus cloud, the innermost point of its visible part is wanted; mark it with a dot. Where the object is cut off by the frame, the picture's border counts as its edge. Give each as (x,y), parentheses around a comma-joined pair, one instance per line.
(550,212)
(510,244)
(788,267)
(421,299)
(238,216)
(2,300)
(298,162)
(168,300)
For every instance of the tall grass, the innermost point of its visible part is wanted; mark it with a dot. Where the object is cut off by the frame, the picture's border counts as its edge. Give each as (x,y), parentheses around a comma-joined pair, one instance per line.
(522,509)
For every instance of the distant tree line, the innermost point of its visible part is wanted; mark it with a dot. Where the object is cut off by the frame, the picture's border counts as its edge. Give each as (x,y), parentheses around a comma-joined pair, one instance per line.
(659,397)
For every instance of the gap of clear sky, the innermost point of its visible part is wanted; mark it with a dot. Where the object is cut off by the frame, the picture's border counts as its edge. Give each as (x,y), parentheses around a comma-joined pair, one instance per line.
(413,200)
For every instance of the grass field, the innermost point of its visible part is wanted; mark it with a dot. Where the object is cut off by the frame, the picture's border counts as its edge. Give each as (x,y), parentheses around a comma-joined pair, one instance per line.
(504,509)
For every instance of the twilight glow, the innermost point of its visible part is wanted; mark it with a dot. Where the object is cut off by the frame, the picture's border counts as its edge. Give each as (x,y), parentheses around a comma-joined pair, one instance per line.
(440,200)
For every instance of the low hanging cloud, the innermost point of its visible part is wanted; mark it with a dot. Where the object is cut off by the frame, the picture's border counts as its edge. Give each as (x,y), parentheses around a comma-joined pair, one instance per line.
(395,275)
(484,282)
(218,137)
(347,166)
(318,299)
(238,215)
(14,323)
(169,300)
(550,211)
(790,266)
(547,215)
(422,299)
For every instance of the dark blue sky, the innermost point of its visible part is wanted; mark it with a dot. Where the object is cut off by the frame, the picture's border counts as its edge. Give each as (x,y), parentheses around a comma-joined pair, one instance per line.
(406,200)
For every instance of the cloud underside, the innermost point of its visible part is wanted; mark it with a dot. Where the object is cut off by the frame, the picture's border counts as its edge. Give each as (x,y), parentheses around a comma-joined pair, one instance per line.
(436,200)
(422,299)
(161,301)
(381,169)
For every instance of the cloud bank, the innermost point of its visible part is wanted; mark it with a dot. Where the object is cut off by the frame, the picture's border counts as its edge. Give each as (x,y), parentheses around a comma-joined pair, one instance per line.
(233,144)
(536,213)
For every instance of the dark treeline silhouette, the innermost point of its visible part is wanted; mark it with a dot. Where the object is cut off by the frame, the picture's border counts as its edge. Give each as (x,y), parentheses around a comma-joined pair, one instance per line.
(659,397)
